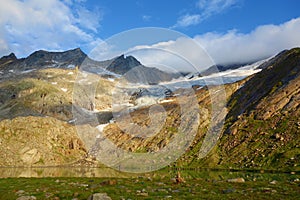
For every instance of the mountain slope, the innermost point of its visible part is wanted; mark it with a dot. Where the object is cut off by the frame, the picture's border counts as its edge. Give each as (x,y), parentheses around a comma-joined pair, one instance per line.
(263,122)
(262,129)
(36,115)
(39,141)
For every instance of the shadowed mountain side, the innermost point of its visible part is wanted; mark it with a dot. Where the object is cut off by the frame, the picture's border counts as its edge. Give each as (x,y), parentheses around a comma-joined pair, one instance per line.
(278,75)
(146,75)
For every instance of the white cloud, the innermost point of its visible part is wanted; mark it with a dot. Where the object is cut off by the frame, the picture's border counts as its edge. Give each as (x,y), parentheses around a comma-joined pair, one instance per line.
(207,8)
(30,25)
(89,20)
(183,54)
(146,18)
(262,42)
(211,7)
(228,48)
(187,20)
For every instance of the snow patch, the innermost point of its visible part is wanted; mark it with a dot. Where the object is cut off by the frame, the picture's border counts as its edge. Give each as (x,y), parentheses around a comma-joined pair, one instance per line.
(146,101)
(27,71)
(54,83)
(71,66)
(64,89)
(166,101)
(102,126)
(72,121)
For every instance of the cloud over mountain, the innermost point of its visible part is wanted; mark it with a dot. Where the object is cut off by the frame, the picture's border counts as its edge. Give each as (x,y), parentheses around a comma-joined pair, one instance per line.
(264,41)
(226,48)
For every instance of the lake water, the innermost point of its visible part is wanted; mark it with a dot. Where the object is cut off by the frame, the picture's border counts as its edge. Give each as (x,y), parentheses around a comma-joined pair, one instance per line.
(40,172)
(6,172)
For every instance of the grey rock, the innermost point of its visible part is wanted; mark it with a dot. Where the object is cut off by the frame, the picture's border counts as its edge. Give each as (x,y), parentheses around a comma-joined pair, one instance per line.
(229,190)
(236,180)
(99,196)
(30,156)
(26,198)
(19,192)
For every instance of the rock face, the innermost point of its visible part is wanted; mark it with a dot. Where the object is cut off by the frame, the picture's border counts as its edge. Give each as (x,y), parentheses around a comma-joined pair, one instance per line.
(8,59)
(40,58)
(30,156)
(146,75)
(122,64)
(39,141)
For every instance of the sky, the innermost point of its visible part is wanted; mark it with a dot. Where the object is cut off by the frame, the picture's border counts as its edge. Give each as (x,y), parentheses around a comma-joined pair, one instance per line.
(226,31)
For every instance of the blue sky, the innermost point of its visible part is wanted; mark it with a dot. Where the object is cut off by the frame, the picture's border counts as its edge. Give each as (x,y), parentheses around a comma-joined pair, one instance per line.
(254,29)
(242,15)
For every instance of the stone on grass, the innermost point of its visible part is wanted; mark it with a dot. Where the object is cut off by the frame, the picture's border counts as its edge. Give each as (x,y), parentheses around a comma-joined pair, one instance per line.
(99,196)
(27,198)
(236,180)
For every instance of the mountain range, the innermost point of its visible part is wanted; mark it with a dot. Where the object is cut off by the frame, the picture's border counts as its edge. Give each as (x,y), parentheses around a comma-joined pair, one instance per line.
(127,67)
(261,129)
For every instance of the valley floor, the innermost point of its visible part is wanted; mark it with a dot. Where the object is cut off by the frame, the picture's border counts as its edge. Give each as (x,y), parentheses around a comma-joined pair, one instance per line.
(158,185)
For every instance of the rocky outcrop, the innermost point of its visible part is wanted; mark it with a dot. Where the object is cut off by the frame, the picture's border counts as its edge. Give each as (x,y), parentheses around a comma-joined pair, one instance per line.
(39,141)
(7,59)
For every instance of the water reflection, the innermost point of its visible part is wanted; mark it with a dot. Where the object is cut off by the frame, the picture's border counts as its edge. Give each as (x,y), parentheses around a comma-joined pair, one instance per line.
(7,172)
(209,174)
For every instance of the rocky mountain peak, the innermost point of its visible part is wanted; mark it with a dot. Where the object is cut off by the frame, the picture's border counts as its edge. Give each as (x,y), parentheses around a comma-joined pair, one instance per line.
(7,59)
(122,64)
(11,56)
(42,58)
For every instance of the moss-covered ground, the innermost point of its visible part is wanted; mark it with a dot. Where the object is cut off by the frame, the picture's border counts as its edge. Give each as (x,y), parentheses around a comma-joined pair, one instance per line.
(159,185)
